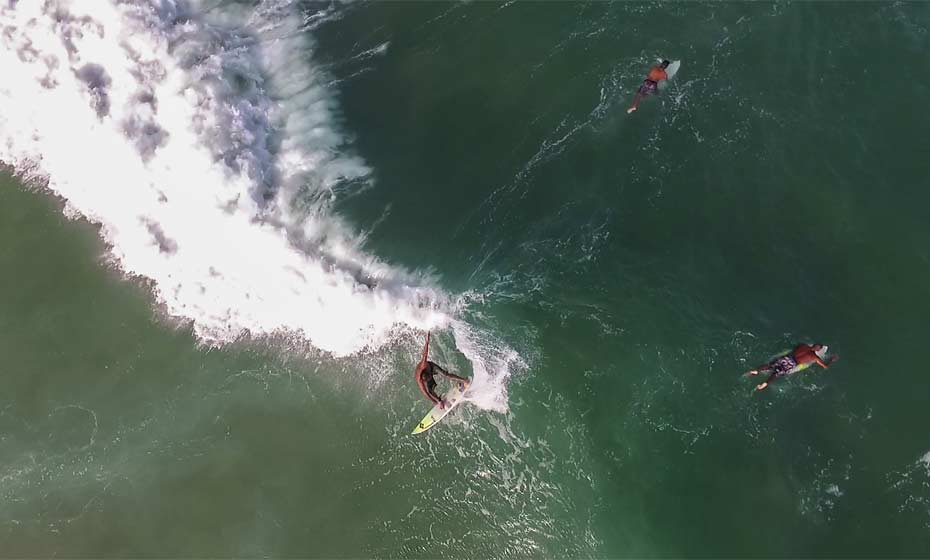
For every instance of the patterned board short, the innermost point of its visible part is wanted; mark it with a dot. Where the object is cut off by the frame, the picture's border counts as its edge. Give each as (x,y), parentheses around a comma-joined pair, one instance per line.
(784,365)
(649,87)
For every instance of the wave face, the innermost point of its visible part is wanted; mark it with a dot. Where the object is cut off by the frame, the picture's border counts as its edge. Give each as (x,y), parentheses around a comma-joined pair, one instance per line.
(206,147)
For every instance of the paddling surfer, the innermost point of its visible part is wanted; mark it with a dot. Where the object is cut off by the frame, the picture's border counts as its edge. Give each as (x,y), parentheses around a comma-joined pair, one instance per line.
(650,85)
(785,365)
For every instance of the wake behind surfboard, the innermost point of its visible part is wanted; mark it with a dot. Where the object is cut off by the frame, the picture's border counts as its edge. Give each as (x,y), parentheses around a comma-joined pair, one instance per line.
(452,399)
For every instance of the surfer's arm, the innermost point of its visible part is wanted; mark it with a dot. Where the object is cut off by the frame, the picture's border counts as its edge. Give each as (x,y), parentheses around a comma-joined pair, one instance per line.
(447,374)
(425,349)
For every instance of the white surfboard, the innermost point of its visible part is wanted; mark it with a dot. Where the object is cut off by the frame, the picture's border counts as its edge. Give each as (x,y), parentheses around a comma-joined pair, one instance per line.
(671,71)
(452,398)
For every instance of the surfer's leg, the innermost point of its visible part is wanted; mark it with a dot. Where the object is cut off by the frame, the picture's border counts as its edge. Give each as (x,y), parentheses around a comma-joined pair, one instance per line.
(649,88)
(767,382)
(431,391)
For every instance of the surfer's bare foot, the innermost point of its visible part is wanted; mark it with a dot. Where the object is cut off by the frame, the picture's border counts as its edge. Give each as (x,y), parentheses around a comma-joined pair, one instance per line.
(630,110)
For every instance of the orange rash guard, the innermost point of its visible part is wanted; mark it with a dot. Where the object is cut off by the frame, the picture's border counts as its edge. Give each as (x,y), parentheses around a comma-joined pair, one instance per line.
(657,74)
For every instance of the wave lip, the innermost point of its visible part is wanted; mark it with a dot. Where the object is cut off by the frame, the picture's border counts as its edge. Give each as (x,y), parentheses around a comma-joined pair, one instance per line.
(208,170)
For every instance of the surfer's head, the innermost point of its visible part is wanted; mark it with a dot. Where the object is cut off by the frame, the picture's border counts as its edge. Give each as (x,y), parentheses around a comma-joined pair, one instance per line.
(817,347)
(665,64)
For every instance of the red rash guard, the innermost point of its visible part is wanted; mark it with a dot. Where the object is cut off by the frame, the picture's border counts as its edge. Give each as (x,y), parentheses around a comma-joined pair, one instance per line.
(657,74)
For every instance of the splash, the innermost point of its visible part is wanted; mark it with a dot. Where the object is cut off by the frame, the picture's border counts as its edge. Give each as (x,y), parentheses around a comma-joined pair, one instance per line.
(492,364)
(206,148)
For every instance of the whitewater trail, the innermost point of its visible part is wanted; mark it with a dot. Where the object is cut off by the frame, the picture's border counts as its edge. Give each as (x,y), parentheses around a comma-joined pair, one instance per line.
(204,145)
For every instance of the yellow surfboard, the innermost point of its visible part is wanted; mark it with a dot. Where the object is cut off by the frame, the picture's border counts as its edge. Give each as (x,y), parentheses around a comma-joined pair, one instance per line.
(452,398)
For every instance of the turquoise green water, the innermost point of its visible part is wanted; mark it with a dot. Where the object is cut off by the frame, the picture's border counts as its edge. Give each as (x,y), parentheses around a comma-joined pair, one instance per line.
(775,193)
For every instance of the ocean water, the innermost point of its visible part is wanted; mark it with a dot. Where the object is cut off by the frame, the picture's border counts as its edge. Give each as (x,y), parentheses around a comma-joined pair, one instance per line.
(226,227)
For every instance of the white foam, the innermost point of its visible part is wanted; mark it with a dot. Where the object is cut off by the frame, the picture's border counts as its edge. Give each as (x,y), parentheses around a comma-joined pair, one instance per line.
(209,172)
(492,364)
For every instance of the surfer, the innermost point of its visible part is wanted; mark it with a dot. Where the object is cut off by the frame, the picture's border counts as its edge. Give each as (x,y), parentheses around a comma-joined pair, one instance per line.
(650,85)
(785,365)
(426,372)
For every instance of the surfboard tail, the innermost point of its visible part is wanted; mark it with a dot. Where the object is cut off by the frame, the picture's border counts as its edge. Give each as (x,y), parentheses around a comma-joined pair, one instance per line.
(451,399)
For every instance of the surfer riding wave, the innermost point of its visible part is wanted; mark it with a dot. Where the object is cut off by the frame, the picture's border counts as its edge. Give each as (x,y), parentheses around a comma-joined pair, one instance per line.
(426,376)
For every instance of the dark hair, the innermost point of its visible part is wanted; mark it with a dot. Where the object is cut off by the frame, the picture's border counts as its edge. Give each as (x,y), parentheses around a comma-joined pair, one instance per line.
(665,64)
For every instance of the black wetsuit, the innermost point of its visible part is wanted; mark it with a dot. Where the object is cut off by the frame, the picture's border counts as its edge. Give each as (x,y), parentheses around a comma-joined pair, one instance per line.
(428,378)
